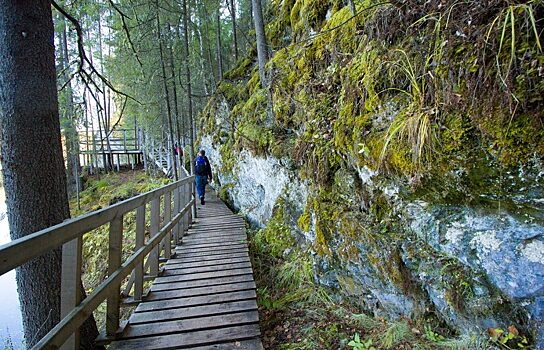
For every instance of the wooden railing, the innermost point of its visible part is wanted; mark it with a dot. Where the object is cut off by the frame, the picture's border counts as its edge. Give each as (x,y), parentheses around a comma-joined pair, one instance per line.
(69,235)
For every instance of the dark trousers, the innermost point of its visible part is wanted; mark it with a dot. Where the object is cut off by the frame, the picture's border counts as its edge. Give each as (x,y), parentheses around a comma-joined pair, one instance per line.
(201,182)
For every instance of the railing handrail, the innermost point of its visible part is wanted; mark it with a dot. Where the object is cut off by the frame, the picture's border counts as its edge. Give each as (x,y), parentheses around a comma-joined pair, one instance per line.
(20,251)
(56,337)
(69,235)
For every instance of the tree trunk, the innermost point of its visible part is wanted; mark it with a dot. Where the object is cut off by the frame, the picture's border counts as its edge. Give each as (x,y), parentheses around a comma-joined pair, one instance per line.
(189,87)
(176,107)
(70,132)
(262,51)
(167,95)
(34,174)
(203,13)
(106,110)
(234,34)
(219,44)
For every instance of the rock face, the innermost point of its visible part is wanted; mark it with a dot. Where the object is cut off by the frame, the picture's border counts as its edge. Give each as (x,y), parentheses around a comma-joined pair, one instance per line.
(257,183)
(476,266)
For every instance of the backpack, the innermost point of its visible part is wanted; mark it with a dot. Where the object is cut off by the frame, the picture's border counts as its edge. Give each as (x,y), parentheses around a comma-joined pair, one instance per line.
(200,166)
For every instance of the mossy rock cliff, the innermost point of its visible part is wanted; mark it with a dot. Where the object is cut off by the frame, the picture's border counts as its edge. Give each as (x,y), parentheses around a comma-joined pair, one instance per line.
(405,151)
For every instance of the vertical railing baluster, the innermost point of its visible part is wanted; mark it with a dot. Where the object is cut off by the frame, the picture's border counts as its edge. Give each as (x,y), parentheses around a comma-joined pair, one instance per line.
(114,262)
(176,212)
(186,199)
(154,229)
(70,285)
(167,216)
(140,240)
(192,194)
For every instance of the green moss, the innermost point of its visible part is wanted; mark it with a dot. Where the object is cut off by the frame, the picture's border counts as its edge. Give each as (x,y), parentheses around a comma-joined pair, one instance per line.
(277,235)
(304,221)
(516,139)
(242,68)
(224,192)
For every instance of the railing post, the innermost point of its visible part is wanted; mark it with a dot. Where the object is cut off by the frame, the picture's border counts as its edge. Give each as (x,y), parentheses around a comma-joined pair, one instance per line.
(167,216)
(193,195)
(70,285)
(185,200)
(114,262)
(140,240)
(177,209)
(154,229)
(125,139)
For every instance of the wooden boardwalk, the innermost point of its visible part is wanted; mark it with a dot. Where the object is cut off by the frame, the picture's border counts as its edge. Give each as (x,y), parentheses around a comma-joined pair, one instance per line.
(205,299)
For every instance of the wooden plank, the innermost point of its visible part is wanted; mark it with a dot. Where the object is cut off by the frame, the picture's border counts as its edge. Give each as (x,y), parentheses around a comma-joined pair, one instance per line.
(70,285)
(183,326)
(140,240)
(204,310)
(191,259)
(251,344)
(174,264)
(196,301)
(215,230)
(177,228)
(210,248)
(214,242)
(167,241)
(206,290)
(114,262)
(210,252)
(203,275)
(202,283)
(208,241)
(183,270)
(202,235)
(223,225)
(199,254)
(153,229)
(221,221)
(198,338)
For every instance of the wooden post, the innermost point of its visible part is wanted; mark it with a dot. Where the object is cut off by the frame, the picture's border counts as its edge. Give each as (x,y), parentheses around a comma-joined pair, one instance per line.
(118,164)
(125,139)
(167,216)
(154,229)
(177,209)
(192,195)
(114,262)
(185,199)
(140,240)
(70,287)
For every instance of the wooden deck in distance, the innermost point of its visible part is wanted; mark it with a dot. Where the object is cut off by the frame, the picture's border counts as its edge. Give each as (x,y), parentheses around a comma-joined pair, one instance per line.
(206,298)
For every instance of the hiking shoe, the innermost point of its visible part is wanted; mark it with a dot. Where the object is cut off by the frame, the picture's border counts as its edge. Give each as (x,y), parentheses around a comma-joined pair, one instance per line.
(202,201)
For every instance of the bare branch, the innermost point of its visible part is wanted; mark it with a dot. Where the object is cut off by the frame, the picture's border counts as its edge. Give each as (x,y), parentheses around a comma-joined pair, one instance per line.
(125,28)
(83,56)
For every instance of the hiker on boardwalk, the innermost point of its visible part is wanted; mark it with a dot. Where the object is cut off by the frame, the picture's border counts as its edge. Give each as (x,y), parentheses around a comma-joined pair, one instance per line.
(203,172)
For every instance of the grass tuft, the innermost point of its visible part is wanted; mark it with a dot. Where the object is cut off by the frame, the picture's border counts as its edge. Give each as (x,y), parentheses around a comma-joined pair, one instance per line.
(397,333)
